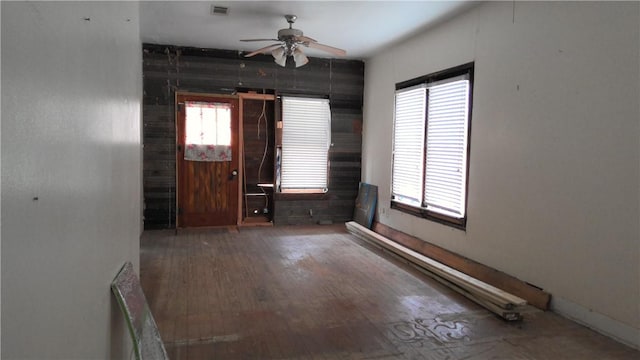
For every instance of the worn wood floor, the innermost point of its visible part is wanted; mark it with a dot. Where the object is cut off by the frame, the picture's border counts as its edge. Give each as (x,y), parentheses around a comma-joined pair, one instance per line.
(317,292)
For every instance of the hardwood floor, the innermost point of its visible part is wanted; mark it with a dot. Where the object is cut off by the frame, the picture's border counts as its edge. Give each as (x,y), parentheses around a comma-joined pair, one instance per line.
(317,292)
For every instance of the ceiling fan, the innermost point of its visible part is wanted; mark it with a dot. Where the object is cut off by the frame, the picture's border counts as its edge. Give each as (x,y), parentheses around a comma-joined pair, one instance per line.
(289,44)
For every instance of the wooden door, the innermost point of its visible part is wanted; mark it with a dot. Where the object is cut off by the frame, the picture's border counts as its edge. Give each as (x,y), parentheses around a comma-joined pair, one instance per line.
(207,160)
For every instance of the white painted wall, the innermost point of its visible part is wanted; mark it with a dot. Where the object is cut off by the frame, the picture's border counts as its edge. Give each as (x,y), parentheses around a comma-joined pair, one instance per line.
(554,180)
(71,100)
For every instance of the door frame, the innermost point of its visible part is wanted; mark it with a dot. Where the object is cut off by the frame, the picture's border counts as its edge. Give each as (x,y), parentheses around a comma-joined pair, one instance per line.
(242,97)
(240,159)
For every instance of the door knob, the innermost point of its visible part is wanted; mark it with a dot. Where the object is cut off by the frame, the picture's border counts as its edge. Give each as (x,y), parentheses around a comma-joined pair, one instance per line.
(233,174)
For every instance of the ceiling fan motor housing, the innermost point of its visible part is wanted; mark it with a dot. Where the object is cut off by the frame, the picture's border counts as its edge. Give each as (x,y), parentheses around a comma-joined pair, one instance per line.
(289,37)
(288,33)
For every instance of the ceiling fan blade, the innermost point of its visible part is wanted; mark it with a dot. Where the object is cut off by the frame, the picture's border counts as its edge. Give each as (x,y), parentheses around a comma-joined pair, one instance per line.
(305,39)
(246,40)
(264,50)
(327,48)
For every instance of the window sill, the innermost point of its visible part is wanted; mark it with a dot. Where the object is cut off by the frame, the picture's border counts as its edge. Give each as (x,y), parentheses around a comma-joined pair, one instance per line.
(460,224)
(301,195)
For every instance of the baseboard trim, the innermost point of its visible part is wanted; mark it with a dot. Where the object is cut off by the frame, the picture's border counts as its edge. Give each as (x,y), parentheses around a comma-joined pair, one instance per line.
(603,324)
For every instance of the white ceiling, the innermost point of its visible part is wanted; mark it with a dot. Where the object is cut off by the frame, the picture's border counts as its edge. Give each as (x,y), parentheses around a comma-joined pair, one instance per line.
(362,28)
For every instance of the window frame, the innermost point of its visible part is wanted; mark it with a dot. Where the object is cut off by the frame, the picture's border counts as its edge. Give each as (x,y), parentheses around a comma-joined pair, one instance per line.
(300,193)
(428,80)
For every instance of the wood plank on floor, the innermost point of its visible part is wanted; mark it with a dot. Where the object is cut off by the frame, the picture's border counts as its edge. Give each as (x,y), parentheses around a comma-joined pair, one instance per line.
(508,283)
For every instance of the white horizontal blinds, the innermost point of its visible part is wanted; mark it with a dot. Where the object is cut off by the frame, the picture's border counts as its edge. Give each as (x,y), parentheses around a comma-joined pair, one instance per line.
(446,147)
(408,145)
(306,135)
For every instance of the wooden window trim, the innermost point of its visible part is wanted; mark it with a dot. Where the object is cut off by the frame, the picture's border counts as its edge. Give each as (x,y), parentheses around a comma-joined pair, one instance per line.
(292,196)
(460,224)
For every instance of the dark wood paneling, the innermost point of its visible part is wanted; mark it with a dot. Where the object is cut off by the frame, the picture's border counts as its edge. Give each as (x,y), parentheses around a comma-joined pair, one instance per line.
(167,69)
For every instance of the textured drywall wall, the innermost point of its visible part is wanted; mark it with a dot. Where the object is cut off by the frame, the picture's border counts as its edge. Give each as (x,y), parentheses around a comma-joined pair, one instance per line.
(554,161)
(71,101)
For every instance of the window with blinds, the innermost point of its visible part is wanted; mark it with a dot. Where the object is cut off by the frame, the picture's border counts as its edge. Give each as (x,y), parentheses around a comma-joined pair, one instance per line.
(408,145)
(430,145)
(306,137)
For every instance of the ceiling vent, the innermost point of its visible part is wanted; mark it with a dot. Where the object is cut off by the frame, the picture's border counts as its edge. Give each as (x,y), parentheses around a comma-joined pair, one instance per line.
(219,10)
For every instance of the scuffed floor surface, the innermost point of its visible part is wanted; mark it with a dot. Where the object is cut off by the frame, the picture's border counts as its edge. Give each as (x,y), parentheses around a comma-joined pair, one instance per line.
(317,292)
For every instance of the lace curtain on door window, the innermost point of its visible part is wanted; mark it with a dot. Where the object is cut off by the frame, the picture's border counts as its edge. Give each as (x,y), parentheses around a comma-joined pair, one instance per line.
(208,131)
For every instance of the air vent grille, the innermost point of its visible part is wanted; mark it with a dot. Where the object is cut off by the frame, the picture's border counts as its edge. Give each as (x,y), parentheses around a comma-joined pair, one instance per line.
(219,10)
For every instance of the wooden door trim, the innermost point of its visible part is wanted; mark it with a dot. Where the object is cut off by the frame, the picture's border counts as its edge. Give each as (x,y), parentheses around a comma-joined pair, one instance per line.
(175,145)
(252,96)
(204,95)
(241,191)
(242,97)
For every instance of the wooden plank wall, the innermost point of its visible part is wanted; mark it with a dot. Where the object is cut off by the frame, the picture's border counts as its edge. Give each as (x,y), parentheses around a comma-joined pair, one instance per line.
(167,69)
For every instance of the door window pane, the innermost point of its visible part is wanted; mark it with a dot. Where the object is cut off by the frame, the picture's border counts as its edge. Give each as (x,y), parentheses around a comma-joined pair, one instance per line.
(208,123)
(207,131)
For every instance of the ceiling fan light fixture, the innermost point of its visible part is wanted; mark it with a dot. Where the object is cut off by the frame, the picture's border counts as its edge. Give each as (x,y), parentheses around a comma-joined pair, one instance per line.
(299,57)
(279,56)
(289,40)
